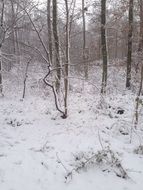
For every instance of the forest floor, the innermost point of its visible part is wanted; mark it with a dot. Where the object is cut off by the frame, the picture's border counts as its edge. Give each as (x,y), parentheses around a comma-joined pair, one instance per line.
(94,148)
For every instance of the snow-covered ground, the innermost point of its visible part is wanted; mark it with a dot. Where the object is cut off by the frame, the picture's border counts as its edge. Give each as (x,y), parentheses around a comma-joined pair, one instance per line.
(41,151)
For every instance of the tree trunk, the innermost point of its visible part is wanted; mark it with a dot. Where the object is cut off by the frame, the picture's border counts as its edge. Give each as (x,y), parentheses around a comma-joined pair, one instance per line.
(138,100)
(1,43)
(56,43)
(84,41)
(26,76)
(13,24)
(49,25)
(129,53)
(1,87)
(116,44)
(140,48)
(103,46)
(16,48)
(67,60)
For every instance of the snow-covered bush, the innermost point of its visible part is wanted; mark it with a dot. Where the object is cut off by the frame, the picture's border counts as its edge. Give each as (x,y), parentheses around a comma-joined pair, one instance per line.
(105,159)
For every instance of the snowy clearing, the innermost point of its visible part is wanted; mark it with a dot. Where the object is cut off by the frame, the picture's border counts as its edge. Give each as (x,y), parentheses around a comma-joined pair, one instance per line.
(38,149)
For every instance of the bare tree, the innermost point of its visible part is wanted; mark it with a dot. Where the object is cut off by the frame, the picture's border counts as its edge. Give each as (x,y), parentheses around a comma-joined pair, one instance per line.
(140,48)
(67,59)
(103,46)
(46,59)
(84,39)
(49,25)
(13,30)
(2,36)
(130,36)
(56,43)
(140,51)
(138,99)
(16,48)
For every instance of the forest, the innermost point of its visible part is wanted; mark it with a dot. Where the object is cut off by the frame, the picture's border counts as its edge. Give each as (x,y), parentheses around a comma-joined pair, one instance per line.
(71,94)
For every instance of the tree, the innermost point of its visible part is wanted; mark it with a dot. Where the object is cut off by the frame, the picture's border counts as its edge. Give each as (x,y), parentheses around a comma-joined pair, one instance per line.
(140,51)
(129,53)
(16,49)
(2,36)
(67,58)
(49,25)
(103,46)
(84,40)
(56,43)
(140,48)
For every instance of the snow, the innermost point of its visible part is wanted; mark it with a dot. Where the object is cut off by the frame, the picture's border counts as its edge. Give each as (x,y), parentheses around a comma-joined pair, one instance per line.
(38,147)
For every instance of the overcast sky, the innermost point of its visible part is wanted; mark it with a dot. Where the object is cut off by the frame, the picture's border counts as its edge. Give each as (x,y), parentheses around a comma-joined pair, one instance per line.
(78,2)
